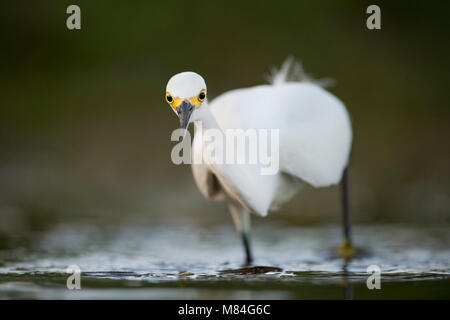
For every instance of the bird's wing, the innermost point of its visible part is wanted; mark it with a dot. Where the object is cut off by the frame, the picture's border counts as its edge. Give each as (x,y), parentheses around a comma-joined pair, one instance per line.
(314,126)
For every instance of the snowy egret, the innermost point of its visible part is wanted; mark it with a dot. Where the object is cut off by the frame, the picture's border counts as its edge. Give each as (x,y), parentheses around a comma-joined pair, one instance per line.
(315,138)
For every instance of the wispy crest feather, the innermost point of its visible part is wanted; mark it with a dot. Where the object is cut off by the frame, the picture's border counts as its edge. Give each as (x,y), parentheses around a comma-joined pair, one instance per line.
(292,71)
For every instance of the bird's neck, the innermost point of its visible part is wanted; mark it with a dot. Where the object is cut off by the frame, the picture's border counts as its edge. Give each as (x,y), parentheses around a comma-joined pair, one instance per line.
(207,119)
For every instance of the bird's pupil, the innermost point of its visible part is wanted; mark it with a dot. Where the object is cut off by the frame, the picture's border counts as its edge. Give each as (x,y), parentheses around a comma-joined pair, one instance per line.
(202,95)
(169,98)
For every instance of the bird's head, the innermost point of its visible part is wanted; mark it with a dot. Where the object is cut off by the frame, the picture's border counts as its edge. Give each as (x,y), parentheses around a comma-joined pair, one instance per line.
(186,93)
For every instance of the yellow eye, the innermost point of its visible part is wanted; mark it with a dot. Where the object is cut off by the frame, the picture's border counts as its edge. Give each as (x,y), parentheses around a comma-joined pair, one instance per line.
(169,98)
(201,95)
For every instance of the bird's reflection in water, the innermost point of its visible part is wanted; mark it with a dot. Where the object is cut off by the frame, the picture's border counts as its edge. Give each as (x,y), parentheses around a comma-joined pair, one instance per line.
(346,283)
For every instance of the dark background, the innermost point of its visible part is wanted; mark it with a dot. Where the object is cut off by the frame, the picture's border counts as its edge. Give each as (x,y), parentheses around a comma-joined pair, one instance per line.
(85,132)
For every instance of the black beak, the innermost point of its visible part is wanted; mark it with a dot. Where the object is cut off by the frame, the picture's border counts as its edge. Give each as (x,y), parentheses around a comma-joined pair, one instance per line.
(184,111)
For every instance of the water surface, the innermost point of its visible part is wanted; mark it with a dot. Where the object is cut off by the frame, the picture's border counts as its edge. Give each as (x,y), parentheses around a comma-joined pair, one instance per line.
(189,262)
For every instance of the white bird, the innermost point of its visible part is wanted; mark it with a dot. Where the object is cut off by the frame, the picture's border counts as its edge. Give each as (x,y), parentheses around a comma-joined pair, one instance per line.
(315,137)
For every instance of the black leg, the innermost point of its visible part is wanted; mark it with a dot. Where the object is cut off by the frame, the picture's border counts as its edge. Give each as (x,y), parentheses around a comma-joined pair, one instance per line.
(241,219)
(346,250)
(248,252)
(346,209)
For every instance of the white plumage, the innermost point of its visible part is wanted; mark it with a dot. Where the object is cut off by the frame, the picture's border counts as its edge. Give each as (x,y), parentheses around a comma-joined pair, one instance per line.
(314,132)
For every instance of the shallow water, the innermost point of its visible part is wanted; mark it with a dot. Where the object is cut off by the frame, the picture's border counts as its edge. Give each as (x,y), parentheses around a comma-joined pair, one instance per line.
(188,263)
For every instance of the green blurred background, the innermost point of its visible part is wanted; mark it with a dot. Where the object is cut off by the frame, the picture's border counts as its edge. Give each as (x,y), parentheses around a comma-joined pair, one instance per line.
(85,132)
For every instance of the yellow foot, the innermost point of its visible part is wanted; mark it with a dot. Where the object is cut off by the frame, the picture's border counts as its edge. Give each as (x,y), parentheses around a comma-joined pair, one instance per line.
(345,251)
